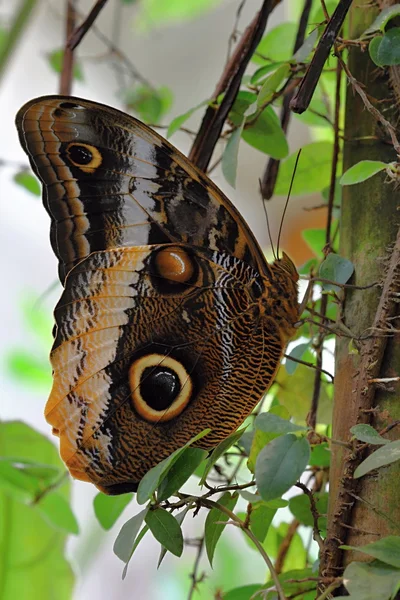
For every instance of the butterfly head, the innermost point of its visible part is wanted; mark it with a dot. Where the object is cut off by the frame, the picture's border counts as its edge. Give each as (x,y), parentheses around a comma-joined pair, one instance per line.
(286,265)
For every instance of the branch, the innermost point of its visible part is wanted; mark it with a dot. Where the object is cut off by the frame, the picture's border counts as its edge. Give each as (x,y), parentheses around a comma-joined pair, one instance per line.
(270,176)
(306,90)
(68,59)
(229,84)
(78,34)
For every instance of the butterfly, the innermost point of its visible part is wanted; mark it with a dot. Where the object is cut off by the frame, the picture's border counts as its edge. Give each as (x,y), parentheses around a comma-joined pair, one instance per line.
(171,321)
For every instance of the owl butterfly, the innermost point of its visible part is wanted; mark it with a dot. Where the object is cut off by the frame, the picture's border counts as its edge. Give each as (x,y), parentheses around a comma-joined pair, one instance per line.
(171,321)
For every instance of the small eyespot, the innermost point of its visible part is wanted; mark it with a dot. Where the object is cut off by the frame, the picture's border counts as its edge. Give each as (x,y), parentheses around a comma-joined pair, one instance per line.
(85,156)
(160,387)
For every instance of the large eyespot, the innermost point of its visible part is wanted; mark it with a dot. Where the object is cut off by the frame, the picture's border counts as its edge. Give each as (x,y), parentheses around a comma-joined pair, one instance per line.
(160,387)
(84,156)
(173,269)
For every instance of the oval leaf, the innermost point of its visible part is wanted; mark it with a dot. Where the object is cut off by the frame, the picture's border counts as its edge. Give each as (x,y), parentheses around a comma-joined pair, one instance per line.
(380,458)
(230,156)
(366,433)
(166,530)
(108,508)
(296,352)
(28,181)
(153,478)
(335,268)
(387,550)
(280,464)
(215,523)
(272,83)
(181,119)
(123,545)
(361,171)
(277,44)
(180,472)
(373,48)
(271,423)
(383,18)
(388,51)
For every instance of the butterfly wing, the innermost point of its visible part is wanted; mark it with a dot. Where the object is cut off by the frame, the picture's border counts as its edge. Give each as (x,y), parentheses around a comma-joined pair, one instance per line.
(110,181)
(146,357)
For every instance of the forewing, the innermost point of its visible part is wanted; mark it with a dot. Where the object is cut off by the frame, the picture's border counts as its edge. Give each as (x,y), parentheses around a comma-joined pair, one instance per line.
(110,181)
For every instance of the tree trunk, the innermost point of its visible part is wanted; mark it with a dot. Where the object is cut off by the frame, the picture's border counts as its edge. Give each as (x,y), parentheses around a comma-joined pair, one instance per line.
(362,511)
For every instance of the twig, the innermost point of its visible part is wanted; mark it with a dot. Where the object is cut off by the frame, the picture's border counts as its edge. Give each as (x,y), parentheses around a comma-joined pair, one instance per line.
(229,84)
(315,514)
(194,577)
(311,365)
(285,545)
(271,172)
(303,97)
(78,34)
(390,130)
(68,58)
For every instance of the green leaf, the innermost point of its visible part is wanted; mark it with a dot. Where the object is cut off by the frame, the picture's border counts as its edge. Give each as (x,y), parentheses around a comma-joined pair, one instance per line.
(335,268)
(28,181)
(313,170)
(26,480)
(148,103)
(263,71)
(315,239)
(57,512)
(373,49)
(261,438)
(180,518)
(245,592)
(153,478)
(280,464)
(260,519)
(380,458)
(262,130)
(136,543)
(388,51)
(366,433)
(230,156)
(306,48)
(109,508)
(124,542)
(370,581)
(320,455)
(215,523)
(55,60)
(32,548)
(296,352)
(277,44)
(386,550)
(300,508)
(383,18)
(272,83)
(220,450)
(181,470)
(27,369)
(271,423)
(295,392)
(161,12)
(181,119)
(166,530)
(361,171)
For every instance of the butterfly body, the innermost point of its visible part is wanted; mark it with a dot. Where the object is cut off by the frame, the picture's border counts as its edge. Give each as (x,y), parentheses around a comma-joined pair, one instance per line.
(171,321)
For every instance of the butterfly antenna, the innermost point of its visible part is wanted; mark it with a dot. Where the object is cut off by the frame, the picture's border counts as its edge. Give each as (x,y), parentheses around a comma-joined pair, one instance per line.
(287,200)
(266,216)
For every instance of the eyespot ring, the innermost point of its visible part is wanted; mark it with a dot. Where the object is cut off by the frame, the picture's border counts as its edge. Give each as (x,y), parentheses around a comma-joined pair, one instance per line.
(85,157)
(160,387)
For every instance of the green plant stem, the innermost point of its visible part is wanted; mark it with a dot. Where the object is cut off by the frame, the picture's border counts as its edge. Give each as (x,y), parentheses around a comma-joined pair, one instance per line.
(15,32)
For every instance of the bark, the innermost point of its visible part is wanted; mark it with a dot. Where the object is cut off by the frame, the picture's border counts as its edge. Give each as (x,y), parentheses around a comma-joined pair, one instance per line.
(362,511)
